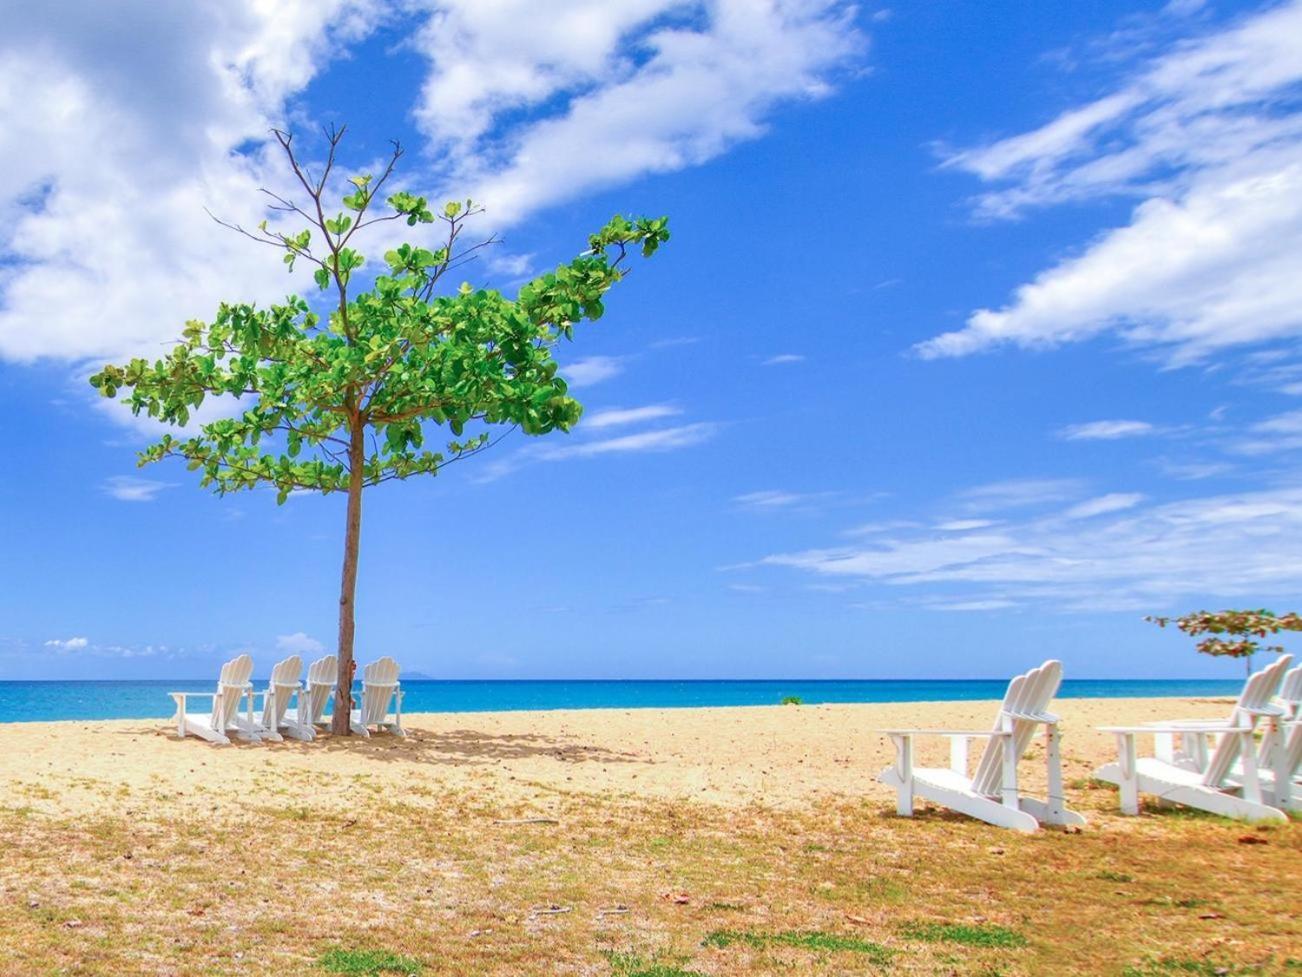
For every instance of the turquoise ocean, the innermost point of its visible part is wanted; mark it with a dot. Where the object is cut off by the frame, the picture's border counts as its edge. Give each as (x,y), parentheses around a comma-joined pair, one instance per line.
(47,701)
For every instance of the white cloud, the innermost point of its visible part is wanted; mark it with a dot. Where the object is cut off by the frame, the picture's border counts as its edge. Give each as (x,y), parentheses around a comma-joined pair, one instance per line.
(1017,493)
(656,441)
(112,149)
(592,369)
(768,499)
(1209,136)
(993,604)
(123,122)
(963,525)
(298,643)
(124,488)
(1112,502)
(630,88)
(663,439)
(783,359)
(618,417)
(1105,430)
(1283,432)
(1231,547)
(67,644)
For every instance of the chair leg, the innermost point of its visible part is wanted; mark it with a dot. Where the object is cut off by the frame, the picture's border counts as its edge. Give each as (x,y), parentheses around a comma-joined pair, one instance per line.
(1126,761)
(904,769)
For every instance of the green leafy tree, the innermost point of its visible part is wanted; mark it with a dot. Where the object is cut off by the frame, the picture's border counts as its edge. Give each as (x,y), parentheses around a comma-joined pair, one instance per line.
(1232,634)
(346,400)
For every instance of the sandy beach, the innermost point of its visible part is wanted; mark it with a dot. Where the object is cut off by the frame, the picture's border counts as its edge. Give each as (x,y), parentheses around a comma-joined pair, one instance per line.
(778,756)
(609,843)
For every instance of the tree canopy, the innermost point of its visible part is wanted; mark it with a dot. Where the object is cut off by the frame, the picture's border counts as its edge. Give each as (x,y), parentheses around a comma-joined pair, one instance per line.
(1240,626)
(347,398)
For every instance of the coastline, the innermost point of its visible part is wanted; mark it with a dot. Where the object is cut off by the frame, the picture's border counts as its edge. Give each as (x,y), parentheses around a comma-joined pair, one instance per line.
(110,699)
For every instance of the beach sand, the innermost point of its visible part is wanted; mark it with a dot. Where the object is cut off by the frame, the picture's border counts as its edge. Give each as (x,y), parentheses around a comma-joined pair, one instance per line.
(779,756)
(731,842)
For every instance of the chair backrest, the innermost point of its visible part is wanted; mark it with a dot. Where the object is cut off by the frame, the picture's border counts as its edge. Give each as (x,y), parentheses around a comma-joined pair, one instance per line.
(1023,709)
(1260,688)
(232,683)
(1290,692)
(284,682)
(1257,694)
(321,677)
(379,683)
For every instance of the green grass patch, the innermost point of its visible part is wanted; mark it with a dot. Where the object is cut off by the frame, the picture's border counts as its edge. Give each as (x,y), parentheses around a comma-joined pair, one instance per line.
(1175,903)
(631,965)
(1108,876)
(792,700)
(368,963)
(965,934)
(822,942)
(1198,968)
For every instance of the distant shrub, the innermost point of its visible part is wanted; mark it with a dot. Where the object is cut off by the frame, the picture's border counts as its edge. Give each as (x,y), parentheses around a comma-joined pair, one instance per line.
(792,700)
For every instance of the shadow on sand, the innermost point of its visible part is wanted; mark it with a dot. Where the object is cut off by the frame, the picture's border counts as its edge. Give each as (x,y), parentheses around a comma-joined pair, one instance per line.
(457,746)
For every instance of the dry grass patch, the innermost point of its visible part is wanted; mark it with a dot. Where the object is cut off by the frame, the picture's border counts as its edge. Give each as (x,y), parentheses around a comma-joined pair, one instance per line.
(633,889)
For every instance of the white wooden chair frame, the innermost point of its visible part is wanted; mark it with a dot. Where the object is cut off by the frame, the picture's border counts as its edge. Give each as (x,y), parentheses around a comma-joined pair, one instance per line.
(322,675)
(224,721)
(284,687)
(1211,765)
(992,794)
(380,686)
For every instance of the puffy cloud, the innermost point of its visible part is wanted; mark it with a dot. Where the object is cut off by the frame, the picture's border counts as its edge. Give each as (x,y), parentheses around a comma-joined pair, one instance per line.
(1209,136)
(67,644)
(112,151)
(642,86)
(298,643)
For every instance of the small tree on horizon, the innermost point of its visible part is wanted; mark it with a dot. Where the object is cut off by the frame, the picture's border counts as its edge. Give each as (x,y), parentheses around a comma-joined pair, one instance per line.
(342,403)
(1240,627)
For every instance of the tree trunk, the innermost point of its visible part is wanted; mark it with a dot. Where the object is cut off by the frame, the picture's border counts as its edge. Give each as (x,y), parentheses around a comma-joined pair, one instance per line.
(348,584)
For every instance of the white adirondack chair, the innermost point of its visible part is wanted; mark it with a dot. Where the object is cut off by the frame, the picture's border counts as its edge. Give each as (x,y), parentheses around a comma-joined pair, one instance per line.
(991,794)
(224,721)
(1279,761)
(1185,742)
(276,715)
(379,688)
(1290,693)
(322,675)
(1210,765)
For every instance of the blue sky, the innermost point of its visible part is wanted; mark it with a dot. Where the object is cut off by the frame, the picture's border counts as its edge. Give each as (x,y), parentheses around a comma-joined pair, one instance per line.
(976,341)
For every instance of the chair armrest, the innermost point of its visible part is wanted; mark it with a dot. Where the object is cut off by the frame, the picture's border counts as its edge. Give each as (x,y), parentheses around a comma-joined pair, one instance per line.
(945,732)
(1274,711)
(179,696)
(1035,717)
(1174,728)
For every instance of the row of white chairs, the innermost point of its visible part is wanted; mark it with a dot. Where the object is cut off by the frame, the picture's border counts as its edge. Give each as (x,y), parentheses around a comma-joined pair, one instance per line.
(1216,766)
(289,707)
(1213,765)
